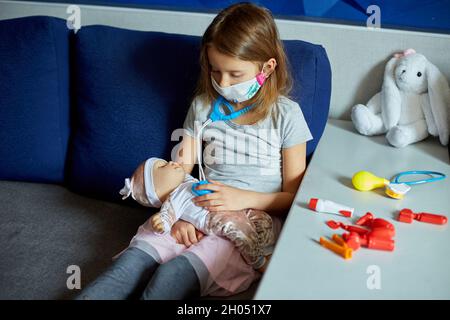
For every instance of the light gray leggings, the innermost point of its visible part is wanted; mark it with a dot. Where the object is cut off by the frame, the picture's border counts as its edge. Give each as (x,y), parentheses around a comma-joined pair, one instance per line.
(135,274)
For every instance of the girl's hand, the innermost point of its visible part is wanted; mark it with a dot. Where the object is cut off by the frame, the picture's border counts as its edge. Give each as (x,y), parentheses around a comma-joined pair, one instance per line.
(185,233)
(223,198)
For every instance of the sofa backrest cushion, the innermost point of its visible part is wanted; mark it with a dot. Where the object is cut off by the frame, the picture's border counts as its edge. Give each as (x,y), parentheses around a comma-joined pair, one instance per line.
(34,99)
(132,91)
(134,88)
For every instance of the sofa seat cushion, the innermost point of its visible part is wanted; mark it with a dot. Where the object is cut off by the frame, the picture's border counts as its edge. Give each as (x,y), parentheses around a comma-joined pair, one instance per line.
(45,228)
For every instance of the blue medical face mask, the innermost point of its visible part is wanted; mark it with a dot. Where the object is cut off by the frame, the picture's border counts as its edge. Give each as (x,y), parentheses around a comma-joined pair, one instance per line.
(241,91)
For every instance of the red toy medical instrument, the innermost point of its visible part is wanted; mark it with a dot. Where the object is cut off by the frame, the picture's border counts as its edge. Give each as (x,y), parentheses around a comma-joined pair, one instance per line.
(379,227)
(407,215)
(378,235)
(355,241)
(335,225)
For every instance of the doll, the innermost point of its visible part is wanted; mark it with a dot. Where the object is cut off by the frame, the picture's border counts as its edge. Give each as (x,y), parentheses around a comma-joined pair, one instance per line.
(161,184)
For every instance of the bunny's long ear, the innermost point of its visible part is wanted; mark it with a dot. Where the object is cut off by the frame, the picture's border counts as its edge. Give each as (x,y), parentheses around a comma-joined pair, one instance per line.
(439,94)
(390,96)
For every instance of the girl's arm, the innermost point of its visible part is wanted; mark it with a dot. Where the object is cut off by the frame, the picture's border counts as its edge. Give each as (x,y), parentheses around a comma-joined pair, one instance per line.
(294,166)
(183,231)
(187,155)
(229,198)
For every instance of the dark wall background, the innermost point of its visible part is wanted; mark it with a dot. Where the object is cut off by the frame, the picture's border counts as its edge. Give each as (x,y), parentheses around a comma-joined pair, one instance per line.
(423,15)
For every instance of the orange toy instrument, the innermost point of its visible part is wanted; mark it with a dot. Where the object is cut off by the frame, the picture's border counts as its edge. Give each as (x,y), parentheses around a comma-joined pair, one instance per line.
(339,246)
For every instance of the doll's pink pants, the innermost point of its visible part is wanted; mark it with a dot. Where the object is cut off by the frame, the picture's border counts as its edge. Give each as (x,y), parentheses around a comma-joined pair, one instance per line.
(219,265)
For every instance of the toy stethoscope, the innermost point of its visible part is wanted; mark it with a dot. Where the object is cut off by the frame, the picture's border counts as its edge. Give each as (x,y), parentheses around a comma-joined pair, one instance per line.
(397,189)
(216,115)
(365,181)
(439,175)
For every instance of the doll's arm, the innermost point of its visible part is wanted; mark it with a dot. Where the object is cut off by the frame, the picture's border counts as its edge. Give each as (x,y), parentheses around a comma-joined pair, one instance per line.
(157,223)
(187,209)
(163,220)
(197,217)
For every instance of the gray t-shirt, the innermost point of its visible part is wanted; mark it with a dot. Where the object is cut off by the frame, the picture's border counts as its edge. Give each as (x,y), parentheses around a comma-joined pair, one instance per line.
(248,156)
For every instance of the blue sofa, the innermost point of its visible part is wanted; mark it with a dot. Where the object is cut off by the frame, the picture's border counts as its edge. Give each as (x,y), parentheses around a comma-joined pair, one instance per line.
(78,112)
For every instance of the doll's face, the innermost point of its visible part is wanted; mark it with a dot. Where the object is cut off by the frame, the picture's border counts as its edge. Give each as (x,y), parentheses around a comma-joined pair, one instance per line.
(166,177)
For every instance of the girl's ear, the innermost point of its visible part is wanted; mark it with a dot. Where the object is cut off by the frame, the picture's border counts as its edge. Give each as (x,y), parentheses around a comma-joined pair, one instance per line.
(269,67)
(390,96)
(438,92)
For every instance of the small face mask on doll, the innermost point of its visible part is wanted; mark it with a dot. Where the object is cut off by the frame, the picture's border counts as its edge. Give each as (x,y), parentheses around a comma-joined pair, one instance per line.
(241,91)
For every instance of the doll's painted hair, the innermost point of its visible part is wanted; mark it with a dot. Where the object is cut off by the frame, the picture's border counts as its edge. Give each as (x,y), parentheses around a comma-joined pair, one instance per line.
(247,32)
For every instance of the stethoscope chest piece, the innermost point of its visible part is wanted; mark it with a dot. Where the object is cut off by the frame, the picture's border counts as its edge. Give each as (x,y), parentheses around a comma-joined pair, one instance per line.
(200,192)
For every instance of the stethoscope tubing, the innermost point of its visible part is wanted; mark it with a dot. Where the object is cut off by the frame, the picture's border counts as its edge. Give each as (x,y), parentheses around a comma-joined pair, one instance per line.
(216,115)
(440,176)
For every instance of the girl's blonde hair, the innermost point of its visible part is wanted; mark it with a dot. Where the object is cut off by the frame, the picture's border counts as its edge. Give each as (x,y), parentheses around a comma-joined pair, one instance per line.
(247,32)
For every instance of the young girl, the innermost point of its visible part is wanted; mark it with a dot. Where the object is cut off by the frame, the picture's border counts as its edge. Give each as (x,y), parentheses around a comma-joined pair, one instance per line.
(242,59)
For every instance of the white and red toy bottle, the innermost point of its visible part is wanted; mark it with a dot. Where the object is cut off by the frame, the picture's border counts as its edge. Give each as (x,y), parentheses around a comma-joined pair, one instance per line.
(328,206)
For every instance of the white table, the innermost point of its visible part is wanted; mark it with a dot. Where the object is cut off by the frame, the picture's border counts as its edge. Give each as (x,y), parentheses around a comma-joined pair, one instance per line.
(420,265)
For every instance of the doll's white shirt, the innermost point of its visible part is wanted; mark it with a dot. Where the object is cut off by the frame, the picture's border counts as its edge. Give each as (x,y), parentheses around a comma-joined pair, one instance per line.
(180,201)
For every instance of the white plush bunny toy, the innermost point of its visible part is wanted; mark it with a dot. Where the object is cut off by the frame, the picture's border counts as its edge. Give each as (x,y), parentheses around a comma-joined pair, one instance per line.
(413,103)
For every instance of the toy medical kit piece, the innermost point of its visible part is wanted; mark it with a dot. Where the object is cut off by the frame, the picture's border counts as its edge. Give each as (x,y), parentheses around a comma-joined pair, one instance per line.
(338,246)
(200,192)
(434,176)
(378,236)
(216,115)
(407,215)
(379,227)
(370,221)
(335,225)
(397,190)
(366,181)
(327,206)
(368,240)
